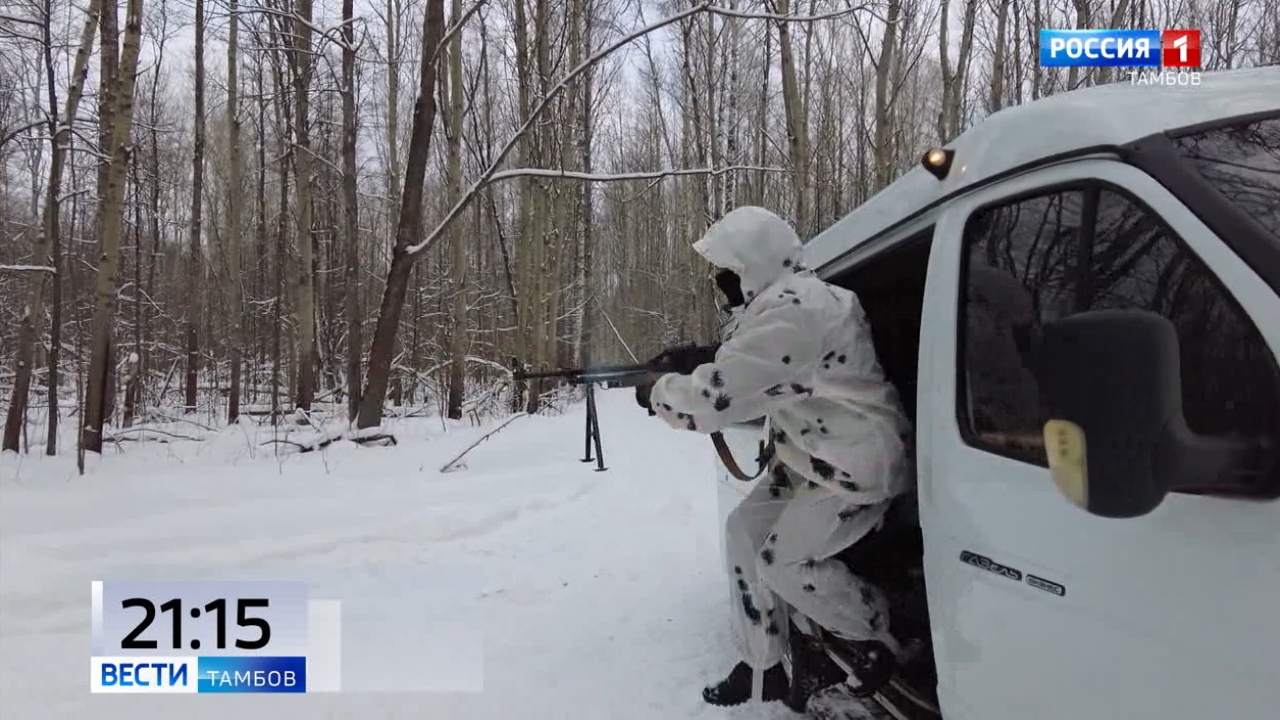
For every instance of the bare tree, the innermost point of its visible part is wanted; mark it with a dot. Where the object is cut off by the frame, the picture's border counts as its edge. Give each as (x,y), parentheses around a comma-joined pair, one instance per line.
(235,277)
(351,210)
(47,242)
(195,258)
(302,61)
(451,95)
(797,125)
(111,205)
(409,225)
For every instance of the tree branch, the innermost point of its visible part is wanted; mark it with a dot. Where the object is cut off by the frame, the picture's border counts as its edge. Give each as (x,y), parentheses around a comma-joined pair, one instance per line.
(554,92)
(623,177)
(456,28)
(13,135)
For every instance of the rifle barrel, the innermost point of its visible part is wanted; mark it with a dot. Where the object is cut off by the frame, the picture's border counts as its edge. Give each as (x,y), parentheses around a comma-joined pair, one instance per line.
(588,375)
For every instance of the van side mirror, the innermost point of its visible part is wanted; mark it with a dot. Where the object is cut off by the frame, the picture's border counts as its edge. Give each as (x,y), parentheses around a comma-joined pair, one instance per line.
(1118,441)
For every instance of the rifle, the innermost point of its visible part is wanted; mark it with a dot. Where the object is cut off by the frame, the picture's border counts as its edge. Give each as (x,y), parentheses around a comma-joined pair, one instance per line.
(680,359)
(613,377)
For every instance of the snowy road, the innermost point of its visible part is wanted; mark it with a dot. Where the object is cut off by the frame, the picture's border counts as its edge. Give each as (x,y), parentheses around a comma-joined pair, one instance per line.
(604,597)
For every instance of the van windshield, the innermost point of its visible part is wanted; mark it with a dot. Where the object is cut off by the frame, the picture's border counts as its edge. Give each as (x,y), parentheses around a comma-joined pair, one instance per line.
(1243,162)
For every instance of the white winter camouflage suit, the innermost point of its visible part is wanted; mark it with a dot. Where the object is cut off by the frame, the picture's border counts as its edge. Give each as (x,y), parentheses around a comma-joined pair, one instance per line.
(800,353)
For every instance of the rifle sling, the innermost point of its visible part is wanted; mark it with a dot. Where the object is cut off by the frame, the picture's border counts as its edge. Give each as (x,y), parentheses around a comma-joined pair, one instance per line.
(726,457)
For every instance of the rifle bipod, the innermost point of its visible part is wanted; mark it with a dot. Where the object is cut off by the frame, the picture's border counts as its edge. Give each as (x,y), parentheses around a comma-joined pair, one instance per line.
(614,377)
(593,430)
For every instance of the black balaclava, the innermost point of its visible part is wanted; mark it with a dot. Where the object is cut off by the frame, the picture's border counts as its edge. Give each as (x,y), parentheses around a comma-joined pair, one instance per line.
(731,285)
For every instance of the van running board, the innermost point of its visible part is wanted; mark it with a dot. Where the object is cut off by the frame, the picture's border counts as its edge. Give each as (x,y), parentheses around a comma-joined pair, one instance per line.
(839,703)
(897,699)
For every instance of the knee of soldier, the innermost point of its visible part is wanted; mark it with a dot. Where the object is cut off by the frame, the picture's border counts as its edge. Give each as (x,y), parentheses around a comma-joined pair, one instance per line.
(737,531)
(777,571)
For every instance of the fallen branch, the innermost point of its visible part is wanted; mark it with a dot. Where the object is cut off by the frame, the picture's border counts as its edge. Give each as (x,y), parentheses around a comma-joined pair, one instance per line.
(304,448)
(121,434)
(377,439)
(452,464)
(372,436)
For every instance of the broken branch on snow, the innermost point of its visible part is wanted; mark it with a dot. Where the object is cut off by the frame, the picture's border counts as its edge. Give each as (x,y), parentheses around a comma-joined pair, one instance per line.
(453,464)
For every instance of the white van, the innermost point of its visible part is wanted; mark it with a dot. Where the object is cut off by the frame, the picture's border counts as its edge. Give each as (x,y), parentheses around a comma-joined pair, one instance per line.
(1102,269)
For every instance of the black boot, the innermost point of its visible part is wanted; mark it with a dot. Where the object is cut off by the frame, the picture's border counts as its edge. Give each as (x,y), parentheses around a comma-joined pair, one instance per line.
(812,671)
(875,667)
(736,689)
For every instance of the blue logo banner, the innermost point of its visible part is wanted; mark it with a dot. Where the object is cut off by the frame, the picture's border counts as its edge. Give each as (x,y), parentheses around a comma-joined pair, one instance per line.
(1099,48)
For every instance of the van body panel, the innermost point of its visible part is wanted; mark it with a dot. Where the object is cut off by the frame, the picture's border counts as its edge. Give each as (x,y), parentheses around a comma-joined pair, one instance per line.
(1171,615)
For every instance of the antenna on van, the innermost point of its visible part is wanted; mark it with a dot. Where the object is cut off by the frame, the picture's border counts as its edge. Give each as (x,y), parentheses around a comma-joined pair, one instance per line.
(938,162)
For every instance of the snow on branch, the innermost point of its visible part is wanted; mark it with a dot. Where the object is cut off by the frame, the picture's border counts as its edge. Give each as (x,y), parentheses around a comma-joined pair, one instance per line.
(28,268)
(18,132)
(748,15)
(624,177)
(555,90)
(325,34)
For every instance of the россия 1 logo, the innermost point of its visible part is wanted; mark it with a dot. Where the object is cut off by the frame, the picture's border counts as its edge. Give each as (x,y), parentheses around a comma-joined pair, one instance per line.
(1154,57)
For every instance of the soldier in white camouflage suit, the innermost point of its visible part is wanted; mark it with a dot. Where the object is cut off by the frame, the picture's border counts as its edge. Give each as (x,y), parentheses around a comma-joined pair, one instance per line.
(800,353)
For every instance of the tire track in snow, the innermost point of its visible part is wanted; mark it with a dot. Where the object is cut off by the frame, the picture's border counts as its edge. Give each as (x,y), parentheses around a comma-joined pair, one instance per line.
(415,536)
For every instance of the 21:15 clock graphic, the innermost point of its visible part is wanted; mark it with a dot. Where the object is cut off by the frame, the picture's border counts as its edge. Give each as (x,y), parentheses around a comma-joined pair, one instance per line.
(216,611)
(199,637)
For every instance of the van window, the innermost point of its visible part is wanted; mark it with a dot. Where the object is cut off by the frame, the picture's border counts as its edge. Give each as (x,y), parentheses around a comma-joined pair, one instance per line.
(1020,261)
(1118,255)
(1242,162)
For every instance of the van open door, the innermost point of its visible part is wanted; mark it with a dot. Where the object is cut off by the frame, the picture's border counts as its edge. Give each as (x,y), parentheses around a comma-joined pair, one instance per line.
(1042,609)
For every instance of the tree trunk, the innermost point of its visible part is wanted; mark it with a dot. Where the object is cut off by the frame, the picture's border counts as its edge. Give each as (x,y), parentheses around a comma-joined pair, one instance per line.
(112,214)
(305,311)
(108,61)
(351,210)
(278,346)
(525,396)
(995,98)
(797,125)
(195,265)
(394,50)
(587,272)
(133,381)
(409,226)
(453,181)
(47,249)
(883,143)
(236,170)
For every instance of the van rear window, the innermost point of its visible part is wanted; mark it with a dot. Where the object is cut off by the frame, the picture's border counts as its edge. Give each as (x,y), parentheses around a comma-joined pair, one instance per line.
(1243,163)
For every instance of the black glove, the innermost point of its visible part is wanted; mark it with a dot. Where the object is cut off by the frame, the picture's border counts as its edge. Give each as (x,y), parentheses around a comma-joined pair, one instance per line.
(643,391)
(684,359)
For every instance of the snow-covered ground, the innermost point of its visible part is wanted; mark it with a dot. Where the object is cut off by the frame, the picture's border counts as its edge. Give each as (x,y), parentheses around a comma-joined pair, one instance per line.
(604,597)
